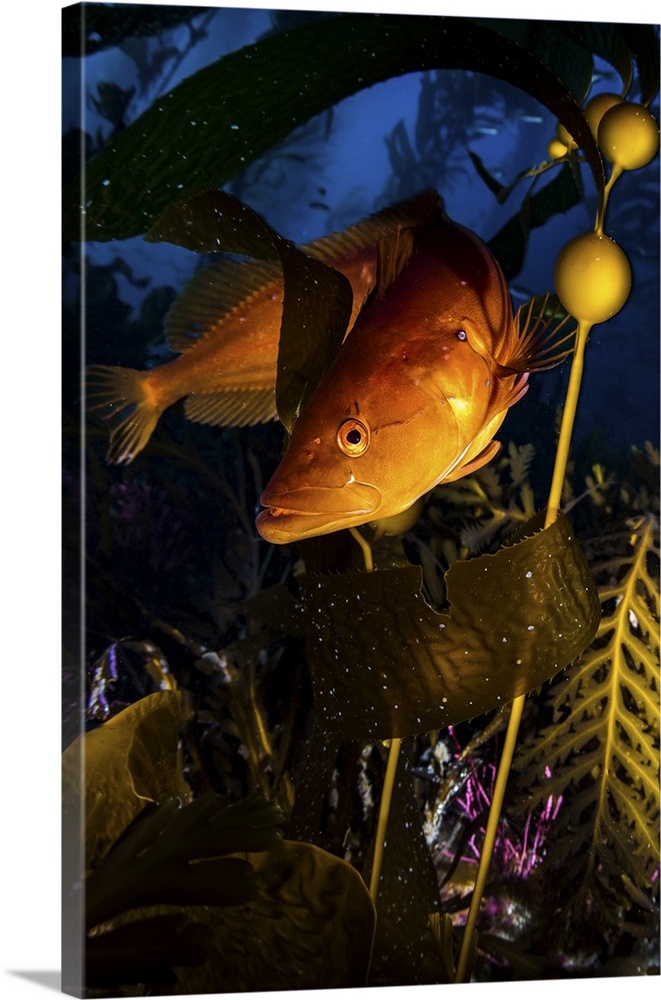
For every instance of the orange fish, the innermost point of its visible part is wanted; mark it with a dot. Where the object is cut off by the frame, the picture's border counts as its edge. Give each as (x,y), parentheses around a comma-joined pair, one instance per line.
(226,328)
(416,392)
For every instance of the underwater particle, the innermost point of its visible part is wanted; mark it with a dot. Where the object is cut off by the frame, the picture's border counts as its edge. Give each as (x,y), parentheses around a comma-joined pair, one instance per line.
(592,277)
(628,135)
(597,107)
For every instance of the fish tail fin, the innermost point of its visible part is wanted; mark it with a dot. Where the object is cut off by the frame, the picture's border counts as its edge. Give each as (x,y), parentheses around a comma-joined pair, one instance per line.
(545,336)
(120,396)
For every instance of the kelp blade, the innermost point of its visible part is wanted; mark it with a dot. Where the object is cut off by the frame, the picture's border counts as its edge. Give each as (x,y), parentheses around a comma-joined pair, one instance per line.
(176,856)
(114,771)
(215,123)
(310,927)
(385,664)
(317,299)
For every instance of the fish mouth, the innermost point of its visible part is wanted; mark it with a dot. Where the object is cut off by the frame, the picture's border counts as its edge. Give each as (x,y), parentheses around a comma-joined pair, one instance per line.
(315,510)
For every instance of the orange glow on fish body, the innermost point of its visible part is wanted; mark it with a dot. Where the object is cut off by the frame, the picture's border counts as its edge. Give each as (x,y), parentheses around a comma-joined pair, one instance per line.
(415,394)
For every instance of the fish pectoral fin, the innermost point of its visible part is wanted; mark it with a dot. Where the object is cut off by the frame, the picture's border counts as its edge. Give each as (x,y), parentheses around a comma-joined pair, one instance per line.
(231,407)
(509,388)
(545,336)
(473,464)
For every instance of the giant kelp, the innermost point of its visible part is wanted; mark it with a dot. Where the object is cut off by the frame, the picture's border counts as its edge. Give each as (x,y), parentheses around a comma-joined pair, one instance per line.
(600,753)
(377,647)
(232,684)
(330,57)
(219,628)
(581,827)
(171,884)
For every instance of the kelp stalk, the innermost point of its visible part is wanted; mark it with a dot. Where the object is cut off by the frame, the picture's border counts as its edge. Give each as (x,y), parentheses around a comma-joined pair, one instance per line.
(394,746)
(366,549)
(384,811)
(388,782)
(552,510)
(468,941)
(567,424)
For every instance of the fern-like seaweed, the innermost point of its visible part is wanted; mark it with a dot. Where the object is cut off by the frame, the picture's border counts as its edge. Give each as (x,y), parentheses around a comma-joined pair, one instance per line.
(601,753)
(488,505)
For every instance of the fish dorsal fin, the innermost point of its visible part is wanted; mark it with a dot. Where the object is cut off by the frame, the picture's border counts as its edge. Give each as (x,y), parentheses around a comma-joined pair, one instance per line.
(414,212)
(393,253)
(232,408)
(215,291)
(212,294)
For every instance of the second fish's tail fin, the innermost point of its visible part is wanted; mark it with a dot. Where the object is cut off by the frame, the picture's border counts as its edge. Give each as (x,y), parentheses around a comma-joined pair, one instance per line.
(121,397)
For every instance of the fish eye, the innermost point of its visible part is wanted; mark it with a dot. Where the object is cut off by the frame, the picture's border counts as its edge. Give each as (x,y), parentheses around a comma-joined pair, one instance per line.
(353,437)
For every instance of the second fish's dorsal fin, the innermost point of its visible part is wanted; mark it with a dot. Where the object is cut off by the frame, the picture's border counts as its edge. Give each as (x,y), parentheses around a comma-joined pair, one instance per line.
(214,292)
(393,254)
(416,211)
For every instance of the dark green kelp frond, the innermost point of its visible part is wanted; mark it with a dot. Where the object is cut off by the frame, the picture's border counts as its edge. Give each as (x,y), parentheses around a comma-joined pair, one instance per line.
(601,754)
(196,137)
(385,664)
(130,761)
(567,45)
(145,950)
(176,855)
(310,926)
(510,243)
(317,299)
(293,916)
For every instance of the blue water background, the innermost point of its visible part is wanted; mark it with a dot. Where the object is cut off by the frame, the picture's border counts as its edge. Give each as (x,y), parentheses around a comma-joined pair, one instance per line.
(346,173)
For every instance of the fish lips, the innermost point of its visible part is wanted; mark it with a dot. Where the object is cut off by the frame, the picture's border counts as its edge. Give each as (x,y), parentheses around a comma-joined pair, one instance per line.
(292,515)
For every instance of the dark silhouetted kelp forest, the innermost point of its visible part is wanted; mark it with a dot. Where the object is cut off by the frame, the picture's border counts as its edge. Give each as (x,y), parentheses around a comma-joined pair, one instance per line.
(412,753)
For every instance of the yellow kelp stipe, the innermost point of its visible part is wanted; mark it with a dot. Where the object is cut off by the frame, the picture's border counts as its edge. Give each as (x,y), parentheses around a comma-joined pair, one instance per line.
(593,281)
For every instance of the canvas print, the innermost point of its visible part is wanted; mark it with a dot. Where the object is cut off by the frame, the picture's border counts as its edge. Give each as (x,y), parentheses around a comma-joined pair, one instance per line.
(361,500)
